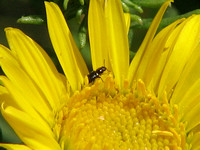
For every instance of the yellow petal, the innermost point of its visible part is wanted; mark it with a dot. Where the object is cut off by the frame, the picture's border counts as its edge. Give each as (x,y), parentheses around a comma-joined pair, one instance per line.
(4,94)
(100,42)
(21,82)
(165,55)
(188,86)
(37,64)
(195,141)
(29,130)
(186,93)
(14,146)
(6,97)
(66,50)
(127,21)
(192,116)
(152,57)
(146,42)
(21,102)
(97,35)
(181,51)
(5,52)
(117,39)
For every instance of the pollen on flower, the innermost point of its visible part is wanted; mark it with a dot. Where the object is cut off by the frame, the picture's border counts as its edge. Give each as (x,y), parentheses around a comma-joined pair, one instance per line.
(102,116)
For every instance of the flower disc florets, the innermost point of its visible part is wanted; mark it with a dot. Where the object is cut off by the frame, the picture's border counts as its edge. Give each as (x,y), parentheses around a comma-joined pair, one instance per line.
(102,116)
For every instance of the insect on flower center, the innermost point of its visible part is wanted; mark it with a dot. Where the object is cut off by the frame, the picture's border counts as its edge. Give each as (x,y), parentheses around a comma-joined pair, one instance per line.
(101,116)
(95,74)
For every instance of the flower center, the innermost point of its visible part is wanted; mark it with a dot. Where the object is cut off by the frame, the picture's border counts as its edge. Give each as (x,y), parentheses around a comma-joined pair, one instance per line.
(102,116)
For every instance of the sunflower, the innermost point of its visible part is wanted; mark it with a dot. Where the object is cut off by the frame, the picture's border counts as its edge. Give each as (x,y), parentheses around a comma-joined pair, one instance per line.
(151,103)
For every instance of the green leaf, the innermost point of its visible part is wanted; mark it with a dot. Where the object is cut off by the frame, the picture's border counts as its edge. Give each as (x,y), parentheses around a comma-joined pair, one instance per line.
(148,3)
(30,20)
(132,54)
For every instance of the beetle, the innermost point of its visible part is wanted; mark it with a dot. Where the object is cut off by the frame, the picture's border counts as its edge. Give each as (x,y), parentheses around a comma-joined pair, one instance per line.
(96,74)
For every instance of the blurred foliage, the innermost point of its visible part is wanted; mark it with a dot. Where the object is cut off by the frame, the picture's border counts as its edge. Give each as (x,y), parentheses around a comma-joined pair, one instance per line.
(29,16)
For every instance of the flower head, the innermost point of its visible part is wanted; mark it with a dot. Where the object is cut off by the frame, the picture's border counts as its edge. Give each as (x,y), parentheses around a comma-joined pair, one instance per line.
(152,103)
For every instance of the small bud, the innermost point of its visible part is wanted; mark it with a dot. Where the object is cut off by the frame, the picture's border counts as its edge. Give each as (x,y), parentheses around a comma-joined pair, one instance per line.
(81,2)
(82,34)
(133,5)
(79,15)
(65,3)
(136,18)
(30,20)
(125,7)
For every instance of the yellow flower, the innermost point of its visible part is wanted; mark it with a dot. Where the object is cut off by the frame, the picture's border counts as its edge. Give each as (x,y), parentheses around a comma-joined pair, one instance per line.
(153,103)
